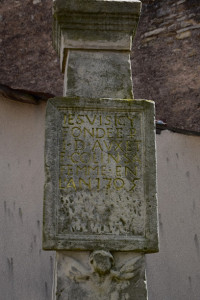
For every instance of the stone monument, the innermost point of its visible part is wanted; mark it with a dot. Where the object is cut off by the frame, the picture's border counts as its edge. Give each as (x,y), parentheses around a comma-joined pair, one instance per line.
(100,206)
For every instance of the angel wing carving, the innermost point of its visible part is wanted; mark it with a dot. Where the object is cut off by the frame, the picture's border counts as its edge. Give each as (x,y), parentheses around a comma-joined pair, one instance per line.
(130,269)
(101,280)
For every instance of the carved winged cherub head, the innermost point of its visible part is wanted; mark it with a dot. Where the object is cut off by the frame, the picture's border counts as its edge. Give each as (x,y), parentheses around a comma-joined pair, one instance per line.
(101,261)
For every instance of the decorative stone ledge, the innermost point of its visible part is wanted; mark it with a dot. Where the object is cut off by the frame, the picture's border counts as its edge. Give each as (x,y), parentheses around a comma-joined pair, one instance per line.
(94,24)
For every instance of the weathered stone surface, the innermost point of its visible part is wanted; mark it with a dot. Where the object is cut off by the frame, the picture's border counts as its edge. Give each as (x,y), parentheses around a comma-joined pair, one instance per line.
(100,275)
(94,43)
(100,190)
(99,71)
(94,24)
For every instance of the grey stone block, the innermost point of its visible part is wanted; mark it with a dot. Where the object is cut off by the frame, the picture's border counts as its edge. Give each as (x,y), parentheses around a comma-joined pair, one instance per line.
(98,73)
(99,275)
(100,189)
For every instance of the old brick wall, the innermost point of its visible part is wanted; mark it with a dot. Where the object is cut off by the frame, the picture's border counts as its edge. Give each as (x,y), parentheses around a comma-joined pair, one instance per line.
(166,60)
(165,57)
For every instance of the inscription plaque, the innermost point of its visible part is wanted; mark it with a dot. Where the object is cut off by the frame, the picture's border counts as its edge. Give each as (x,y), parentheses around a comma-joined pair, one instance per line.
(100,189)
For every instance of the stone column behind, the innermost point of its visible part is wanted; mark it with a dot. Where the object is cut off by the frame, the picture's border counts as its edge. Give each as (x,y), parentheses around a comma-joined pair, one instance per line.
(100,193)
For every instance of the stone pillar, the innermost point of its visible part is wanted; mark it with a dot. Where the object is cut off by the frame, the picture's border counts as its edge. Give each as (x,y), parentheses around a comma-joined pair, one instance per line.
(93,40)
(100,209)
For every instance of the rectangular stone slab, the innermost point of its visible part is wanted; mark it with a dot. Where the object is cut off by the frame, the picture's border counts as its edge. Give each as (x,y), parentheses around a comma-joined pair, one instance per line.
(100,189)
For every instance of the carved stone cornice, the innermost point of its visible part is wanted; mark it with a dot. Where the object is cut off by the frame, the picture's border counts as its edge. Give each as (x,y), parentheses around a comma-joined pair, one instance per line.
(94,24)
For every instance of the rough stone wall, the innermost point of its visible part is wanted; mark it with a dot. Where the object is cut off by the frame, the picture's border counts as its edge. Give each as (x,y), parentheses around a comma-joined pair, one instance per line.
(28,60)
(166,60)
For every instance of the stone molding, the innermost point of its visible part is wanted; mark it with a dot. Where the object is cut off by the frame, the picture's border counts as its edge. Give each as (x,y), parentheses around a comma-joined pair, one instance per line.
(94,25)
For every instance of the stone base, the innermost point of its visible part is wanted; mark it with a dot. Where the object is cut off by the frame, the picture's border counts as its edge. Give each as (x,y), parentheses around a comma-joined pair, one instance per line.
(99,275)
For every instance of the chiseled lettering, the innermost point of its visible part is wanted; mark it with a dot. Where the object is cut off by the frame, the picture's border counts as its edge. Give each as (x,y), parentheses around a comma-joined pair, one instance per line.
(118,170)
(91,121)
(62,155)
(80,119)
(78,168)
(119,132)
(69,169)
(108,145)
(74,157)
(63,144)
(118,120)
(87,184)
(64,120)
(80,157)
(84,157)
(70,119)
(133,184)
(131,120)
(60,184)
(71,184)
(61,160)
(108,119)
(76,131)
(118,183)
(118,145)
(109,132)
(131,171)
(97,145)
(128,145)
(79,144)
(100,133)
(116,158)
(90,162)
(94,158)
(96,168)
(127,159)
(100,120)
(137,143)
(90,132)
(109,180)
(65,131)
(64,123)
(132,132)
(103,170)
(98,183)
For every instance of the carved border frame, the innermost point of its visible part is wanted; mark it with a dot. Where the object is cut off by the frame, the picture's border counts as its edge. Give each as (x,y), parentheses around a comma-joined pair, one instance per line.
(51,240)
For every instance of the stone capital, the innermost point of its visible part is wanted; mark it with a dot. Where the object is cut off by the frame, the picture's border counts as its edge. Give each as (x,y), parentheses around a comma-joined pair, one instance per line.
(94,25)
